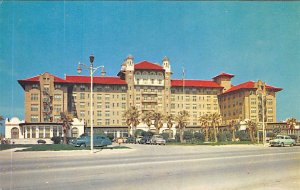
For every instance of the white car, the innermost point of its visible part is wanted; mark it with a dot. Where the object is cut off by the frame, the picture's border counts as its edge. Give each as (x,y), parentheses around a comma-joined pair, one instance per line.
(282,140)
(157,139)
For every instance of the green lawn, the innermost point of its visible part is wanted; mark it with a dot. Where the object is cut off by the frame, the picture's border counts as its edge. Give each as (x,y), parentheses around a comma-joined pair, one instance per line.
(52,147)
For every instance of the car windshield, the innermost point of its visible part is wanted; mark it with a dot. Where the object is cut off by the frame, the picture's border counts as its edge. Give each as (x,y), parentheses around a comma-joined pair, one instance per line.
(279,137)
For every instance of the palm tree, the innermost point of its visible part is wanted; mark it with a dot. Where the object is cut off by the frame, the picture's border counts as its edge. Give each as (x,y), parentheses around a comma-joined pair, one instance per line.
(215,120)
(169,119)
(158,118)
(147,118)
(132,118)
(181,120)
(232,125)
(252,127)
(291,122)
(204,122)
(66,119)
(1,119)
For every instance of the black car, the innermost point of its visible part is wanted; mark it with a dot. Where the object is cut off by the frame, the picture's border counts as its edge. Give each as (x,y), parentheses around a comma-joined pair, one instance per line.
(41,141)
(145,140)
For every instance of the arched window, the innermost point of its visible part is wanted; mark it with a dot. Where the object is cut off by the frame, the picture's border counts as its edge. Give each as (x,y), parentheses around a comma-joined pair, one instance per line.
(15,133)
(74,132)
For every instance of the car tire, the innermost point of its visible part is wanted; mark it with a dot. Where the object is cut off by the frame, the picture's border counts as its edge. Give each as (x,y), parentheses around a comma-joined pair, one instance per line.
(83,145)
(282,144)
(292,145)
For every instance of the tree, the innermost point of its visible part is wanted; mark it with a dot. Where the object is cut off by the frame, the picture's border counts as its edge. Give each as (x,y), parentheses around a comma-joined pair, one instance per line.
(291,122)
(1,119)
(204,122)
(232,125)
(215,121)
(252,128)
(66,119)
(132,118)
(169,119)
(181,120)
(158,121)
(147,118)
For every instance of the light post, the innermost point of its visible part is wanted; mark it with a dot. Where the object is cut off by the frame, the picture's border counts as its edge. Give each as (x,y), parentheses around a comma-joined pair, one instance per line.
(263,117)
(92,71)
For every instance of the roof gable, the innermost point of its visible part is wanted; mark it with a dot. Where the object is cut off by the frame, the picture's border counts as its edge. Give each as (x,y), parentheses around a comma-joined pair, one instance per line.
(224,75)
(250,85)
(145,65)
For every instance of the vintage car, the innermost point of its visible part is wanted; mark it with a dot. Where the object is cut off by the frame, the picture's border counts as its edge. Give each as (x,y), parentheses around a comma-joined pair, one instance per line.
(157,139)
(282,140)
(98,140)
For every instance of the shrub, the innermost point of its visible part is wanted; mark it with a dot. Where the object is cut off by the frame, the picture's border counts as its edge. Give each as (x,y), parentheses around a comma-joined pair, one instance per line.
(242,135)
(188,136)
(138,132)
(198,136)
(165,136)
(56,140)
(224,136)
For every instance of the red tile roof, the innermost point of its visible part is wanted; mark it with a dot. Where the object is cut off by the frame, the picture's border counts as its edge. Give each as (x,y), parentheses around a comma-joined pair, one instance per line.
(195,83)
(96,80)
(37,79)
(224,75)
(250,85)
(145,65)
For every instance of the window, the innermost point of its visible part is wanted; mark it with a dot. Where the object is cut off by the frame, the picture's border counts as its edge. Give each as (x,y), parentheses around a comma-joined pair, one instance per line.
(82,113)
(57,108)
(194,98)
(57,97)
(35,86)
(57,86)
(82,87)
(107,122)
(123,97)
(56,118)
(81,96)
(34,97)
(106,97)
(99,113)
(152,81)
(106,104)
(34,107)
(107,113)
(99,122)
(34,118)
(123,105)
(253,110)
(159,81)
(99,96)
(270,110)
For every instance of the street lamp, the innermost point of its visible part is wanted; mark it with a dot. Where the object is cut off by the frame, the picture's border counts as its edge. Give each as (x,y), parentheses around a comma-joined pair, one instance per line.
(263,117)
(92,71)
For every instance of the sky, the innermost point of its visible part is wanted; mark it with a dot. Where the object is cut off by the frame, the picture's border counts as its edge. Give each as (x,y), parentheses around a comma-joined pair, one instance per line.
(252,40)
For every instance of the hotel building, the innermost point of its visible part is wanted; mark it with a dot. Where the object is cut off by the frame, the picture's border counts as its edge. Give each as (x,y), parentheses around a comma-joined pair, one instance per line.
(148,86)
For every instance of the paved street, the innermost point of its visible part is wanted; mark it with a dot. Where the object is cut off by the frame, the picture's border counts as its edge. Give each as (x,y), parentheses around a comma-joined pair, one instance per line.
(154,167)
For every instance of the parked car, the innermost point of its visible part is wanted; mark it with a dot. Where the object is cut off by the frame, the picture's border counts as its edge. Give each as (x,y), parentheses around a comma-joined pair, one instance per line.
(98,140)
(41,141)
(131,140)
(145,140)
(138,139)
(282,140)
(157,139)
